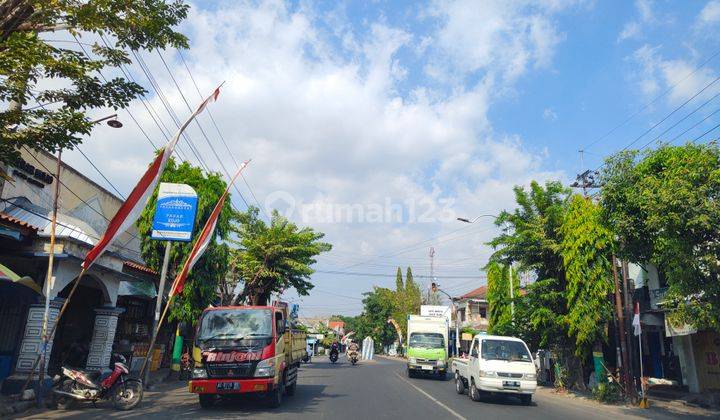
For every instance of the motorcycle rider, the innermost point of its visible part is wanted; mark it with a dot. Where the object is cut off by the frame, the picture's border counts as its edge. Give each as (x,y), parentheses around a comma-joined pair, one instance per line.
(352,350)
(335,348)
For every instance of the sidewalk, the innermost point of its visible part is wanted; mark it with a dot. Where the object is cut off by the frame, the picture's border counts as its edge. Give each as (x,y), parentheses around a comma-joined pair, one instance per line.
(670,406)
(14,404)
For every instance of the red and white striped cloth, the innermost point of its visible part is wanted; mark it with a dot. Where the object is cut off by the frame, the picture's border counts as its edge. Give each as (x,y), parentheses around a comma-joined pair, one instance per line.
(130,211)
(203,240)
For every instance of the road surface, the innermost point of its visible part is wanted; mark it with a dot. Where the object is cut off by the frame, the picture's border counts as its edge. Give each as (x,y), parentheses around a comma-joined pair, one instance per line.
(377,389)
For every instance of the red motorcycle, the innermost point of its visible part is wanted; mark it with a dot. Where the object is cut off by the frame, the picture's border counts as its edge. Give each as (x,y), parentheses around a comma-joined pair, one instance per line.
(124,392)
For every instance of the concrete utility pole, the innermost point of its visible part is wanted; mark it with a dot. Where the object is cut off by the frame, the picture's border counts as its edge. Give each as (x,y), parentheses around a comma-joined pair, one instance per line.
(625,368)
(628,308)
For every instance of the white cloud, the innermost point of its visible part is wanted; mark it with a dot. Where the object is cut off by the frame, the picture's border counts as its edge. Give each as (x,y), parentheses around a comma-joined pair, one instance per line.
(646,16)
(549,114)
(500,37)
(657,74)
(330,126)
(710,14)
(630,30)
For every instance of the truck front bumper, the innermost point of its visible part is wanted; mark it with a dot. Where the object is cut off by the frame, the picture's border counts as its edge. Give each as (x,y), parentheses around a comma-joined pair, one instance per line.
(499,385)
(209,386)
(429,369)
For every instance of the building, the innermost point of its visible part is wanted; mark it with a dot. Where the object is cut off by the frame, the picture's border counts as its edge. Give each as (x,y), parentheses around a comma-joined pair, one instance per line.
(672,354)
(472,309)
(112,306)
(337,326)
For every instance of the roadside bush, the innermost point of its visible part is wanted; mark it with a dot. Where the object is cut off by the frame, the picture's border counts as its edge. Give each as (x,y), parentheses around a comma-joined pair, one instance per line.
(608,393)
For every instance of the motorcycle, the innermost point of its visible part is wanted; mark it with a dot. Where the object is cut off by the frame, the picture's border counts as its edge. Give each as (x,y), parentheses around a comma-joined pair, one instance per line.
(124,392)
(333,356)
(353,356)
(306,358)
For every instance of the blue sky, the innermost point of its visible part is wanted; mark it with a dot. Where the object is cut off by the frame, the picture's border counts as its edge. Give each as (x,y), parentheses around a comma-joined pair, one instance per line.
(441,106)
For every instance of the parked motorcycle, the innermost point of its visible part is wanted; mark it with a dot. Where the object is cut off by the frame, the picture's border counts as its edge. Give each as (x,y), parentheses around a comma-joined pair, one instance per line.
(77,385)
(306,358)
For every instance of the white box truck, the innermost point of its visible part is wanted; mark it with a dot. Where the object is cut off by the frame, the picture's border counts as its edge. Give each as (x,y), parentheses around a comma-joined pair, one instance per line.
(427,339)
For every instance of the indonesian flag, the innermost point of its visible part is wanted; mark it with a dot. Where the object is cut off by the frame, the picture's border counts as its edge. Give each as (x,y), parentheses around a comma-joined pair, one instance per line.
(203,240)
(138,198)
(637,330)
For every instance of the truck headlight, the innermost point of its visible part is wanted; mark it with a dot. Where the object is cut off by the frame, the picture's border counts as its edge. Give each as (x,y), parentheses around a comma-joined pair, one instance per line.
(530,376)
(412,360)
(265,368)
(441,363)
(488,374)
(199,373)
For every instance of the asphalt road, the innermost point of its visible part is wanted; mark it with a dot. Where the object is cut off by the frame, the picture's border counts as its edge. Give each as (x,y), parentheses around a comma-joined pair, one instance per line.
(377,389)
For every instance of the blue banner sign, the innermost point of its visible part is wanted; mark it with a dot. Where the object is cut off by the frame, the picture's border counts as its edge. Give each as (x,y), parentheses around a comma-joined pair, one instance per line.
(175,212)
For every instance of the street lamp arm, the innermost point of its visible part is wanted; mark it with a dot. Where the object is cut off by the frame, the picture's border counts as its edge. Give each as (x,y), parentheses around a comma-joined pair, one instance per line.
(466,220)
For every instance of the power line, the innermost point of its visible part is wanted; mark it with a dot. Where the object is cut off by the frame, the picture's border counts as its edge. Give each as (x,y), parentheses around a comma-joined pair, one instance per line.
(644,107)
(418,276)
(202,131)
(222,138)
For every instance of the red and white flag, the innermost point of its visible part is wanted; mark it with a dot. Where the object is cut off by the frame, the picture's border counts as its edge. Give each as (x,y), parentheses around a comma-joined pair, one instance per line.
(203,240)
(637,329)
(137,200)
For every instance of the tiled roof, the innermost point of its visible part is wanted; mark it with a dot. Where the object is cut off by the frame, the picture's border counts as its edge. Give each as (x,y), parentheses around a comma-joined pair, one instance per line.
(478,293)
(6,217)
(140,267)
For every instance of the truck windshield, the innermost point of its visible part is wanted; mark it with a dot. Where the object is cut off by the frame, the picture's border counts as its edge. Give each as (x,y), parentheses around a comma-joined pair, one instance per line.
(235,324)
(514,351)
(427,340)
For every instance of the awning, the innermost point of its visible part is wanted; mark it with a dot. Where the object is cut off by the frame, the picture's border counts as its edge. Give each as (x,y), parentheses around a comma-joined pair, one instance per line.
(137,288)
(9,275)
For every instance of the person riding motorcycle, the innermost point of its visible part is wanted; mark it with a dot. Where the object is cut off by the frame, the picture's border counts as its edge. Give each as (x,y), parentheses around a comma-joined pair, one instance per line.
(334,350)
(352,351)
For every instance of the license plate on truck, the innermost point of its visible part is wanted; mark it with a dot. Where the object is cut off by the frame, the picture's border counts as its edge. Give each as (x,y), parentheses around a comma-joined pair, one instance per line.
(228,386)
(426,367)
(511,384)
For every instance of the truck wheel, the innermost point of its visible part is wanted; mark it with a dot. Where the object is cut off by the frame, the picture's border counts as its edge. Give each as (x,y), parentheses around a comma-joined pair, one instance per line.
(459,384)
(276,396)
(526,399)
(290,389)
(473,392)
(411,373)
(206,400)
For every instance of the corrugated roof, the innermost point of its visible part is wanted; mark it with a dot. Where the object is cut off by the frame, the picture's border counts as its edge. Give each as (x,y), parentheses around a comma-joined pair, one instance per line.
(62,230)
(8,218)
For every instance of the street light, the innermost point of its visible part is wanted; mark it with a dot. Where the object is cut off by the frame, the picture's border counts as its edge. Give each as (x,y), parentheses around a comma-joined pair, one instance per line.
(512,292)
(114,123)
(434,287)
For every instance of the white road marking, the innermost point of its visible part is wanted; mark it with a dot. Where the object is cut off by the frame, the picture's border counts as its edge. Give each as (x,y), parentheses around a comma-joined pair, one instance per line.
(433,399)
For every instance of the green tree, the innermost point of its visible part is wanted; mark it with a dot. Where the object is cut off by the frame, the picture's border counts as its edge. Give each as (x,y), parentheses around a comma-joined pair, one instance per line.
(663,205)
(498,297)
(586,245)
(28,62)
(200,287)
(274,258)
(379,306)
(412,293)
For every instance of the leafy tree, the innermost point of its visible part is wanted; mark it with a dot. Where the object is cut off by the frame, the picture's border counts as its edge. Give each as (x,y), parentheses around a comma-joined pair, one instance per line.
(27,60)
(663,205)
(275,257)
(379,306)
(498,297)
(199,290)
(585,248)
(399,285)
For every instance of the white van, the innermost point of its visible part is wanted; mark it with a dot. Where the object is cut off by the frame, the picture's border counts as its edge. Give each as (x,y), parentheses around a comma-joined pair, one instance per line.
(496,364)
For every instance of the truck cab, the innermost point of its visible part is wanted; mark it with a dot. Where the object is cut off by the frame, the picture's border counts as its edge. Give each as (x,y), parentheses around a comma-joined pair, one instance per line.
(245,349)
(496,365)
(427,345)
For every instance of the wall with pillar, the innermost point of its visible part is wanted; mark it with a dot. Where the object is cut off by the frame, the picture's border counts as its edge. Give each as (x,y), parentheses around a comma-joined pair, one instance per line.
(31,344)
(106,320)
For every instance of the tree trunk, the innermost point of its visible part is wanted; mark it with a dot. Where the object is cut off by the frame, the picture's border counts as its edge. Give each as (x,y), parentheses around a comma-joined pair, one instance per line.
(13,13)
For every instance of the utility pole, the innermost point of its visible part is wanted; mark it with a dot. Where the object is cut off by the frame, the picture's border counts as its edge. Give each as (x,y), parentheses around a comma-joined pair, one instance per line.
(625,368)
(628,308)
(586,180)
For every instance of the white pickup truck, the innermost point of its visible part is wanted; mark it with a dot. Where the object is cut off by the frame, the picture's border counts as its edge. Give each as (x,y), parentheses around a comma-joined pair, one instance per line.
(496,365)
